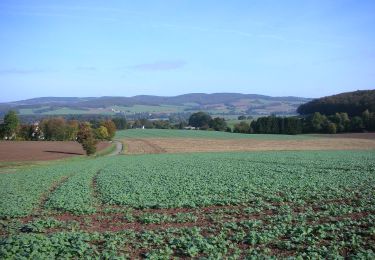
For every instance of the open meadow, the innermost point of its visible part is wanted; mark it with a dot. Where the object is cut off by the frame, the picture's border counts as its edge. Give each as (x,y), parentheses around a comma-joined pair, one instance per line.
(317,204)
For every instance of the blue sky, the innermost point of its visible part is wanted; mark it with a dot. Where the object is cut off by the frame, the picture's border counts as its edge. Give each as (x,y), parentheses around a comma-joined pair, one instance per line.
(125,48)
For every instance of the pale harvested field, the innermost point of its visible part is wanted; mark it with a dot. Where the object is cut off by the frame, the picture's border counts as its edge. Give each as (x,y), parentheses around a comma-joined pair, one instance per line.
(187,145)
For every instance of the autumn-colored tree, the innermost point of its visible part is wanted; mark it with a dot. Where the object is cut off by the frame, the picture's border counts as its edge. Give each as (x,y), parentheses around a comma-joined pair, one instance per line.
(72,129)
(101,133)
(25,132)
(86,138)
(58,129)
(111,128)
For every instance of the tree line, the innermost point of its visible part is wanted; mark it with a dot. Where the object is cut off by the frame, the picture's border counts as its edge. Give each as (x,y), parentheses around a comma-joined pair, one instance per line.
(59,129)
(204,121)
(315,123)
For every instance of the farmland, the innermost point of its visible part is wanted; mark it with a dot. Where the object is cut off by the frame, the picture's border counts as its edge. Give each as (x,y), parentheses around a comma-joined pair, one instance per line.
(145,141)
(42,150)
(317,204)
(166,133)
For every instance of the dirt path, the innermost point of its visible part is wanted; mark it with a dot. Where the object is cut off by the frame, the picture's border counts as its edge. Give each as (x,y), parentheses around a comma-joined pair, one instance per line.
(118,149)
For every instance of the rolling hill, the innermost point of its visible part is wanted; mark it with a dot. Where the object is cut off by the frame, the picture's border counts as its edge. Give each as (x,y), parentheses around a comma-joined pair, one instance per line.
(224,104)
(353,103)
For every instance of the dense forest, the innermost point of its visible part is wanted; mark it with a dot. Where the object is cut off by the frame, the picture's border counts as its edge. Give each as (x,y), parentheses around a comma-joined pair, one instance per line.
(315,123)
(345,112)
(352,103)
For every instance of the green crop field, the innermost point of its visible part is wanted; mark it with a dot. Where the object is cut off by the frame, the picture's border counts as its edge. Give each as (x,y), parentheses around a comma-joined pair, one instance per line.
(316,205)
(171,133)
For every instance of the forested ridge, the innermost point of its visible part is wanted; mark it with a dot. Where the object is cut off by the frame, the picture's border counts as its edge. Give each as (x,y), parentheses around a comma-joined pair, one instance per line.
(353,103)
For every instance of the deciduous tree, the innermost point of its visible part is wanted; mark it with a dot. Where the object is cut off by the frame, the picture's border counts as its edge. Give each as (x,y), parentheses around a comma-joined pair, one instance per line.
(111,128)
(200,119)
(86,138)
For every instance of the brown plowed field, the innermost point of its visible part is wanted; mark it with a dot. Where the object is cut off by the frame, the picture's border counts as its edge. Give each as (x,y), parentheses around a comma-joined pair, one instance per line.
(179,145)
(349,135)
(41,150)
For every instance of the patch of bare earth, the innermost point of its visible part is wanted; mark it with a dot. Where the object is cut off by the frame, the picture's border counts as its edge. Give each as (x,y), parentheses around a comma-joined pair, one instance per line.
(11,151)
(370,136)
(187,145)
(142,146)
(209,216)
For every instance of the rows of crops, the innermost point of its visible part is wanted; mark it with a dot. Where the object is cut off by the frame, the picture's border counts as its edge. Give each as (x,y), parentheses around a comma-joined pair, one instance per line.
(221,179)
(24,191)
(76,195)
(225,205)
(164,133)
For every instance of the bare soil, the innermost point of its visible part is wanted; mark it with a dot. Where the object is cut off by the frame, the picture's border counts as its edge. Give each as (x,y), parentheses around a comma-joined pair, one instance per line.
(206,217)
(190,145)
(370,135)
(11,151)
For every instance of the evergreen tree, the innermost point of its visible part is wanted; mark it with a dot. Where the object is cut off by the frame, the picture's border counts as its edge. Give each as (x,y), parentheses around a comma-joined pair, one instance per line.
(10,126)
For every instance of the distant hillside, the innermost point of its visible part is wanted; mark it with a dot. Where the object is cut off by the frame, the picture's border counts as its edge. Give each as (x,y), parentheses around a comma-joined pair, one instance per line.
(353,103)
(216,104)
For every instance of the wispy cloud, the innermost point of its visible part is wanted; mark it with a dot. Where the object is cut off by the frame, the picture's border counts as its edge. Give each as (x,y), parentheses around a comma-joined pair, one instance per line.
(68,11)
(270,36)
(86,68)
(160,65)
(20,71)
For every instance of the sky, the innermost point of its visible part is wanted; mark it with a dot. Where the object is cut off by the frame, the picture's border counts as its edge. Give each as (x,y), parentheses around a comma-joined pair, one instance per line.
(125,48)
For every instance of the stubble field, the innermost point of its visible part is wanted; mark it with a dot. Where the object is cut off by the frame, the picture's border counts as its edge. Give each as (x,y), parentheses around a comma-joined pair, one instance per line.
(149,141)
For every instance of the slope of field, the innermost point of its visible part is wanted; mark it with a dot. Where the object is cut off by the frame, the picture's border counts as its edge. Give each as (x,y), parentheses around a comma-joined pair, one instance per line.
(317,204)
(148,141)
(192,145)
(40,150)
(168,133)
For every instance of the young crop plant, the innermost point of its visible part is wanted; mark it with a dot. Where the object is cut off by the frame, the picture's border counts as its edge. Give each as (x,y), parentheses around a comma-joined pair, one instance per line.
(21,193)
(264,205)
(192,180)
(76,194)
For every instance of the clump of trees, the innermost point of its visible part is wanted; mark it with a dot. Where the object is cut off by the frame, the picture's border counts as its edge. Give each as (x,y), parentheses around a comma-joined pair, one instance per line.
(315,123)
(339,123)
(86,137)
(204,121)
(59,129)
(276,125)
(200,120)
(56,129)
(8,129)
(120,123)
(243,117)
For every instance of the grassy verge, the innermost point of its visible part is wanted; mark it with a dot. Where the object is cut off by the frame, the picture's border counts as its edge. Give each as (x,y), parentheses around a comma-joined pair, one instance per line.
(107,150)
(124,146)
